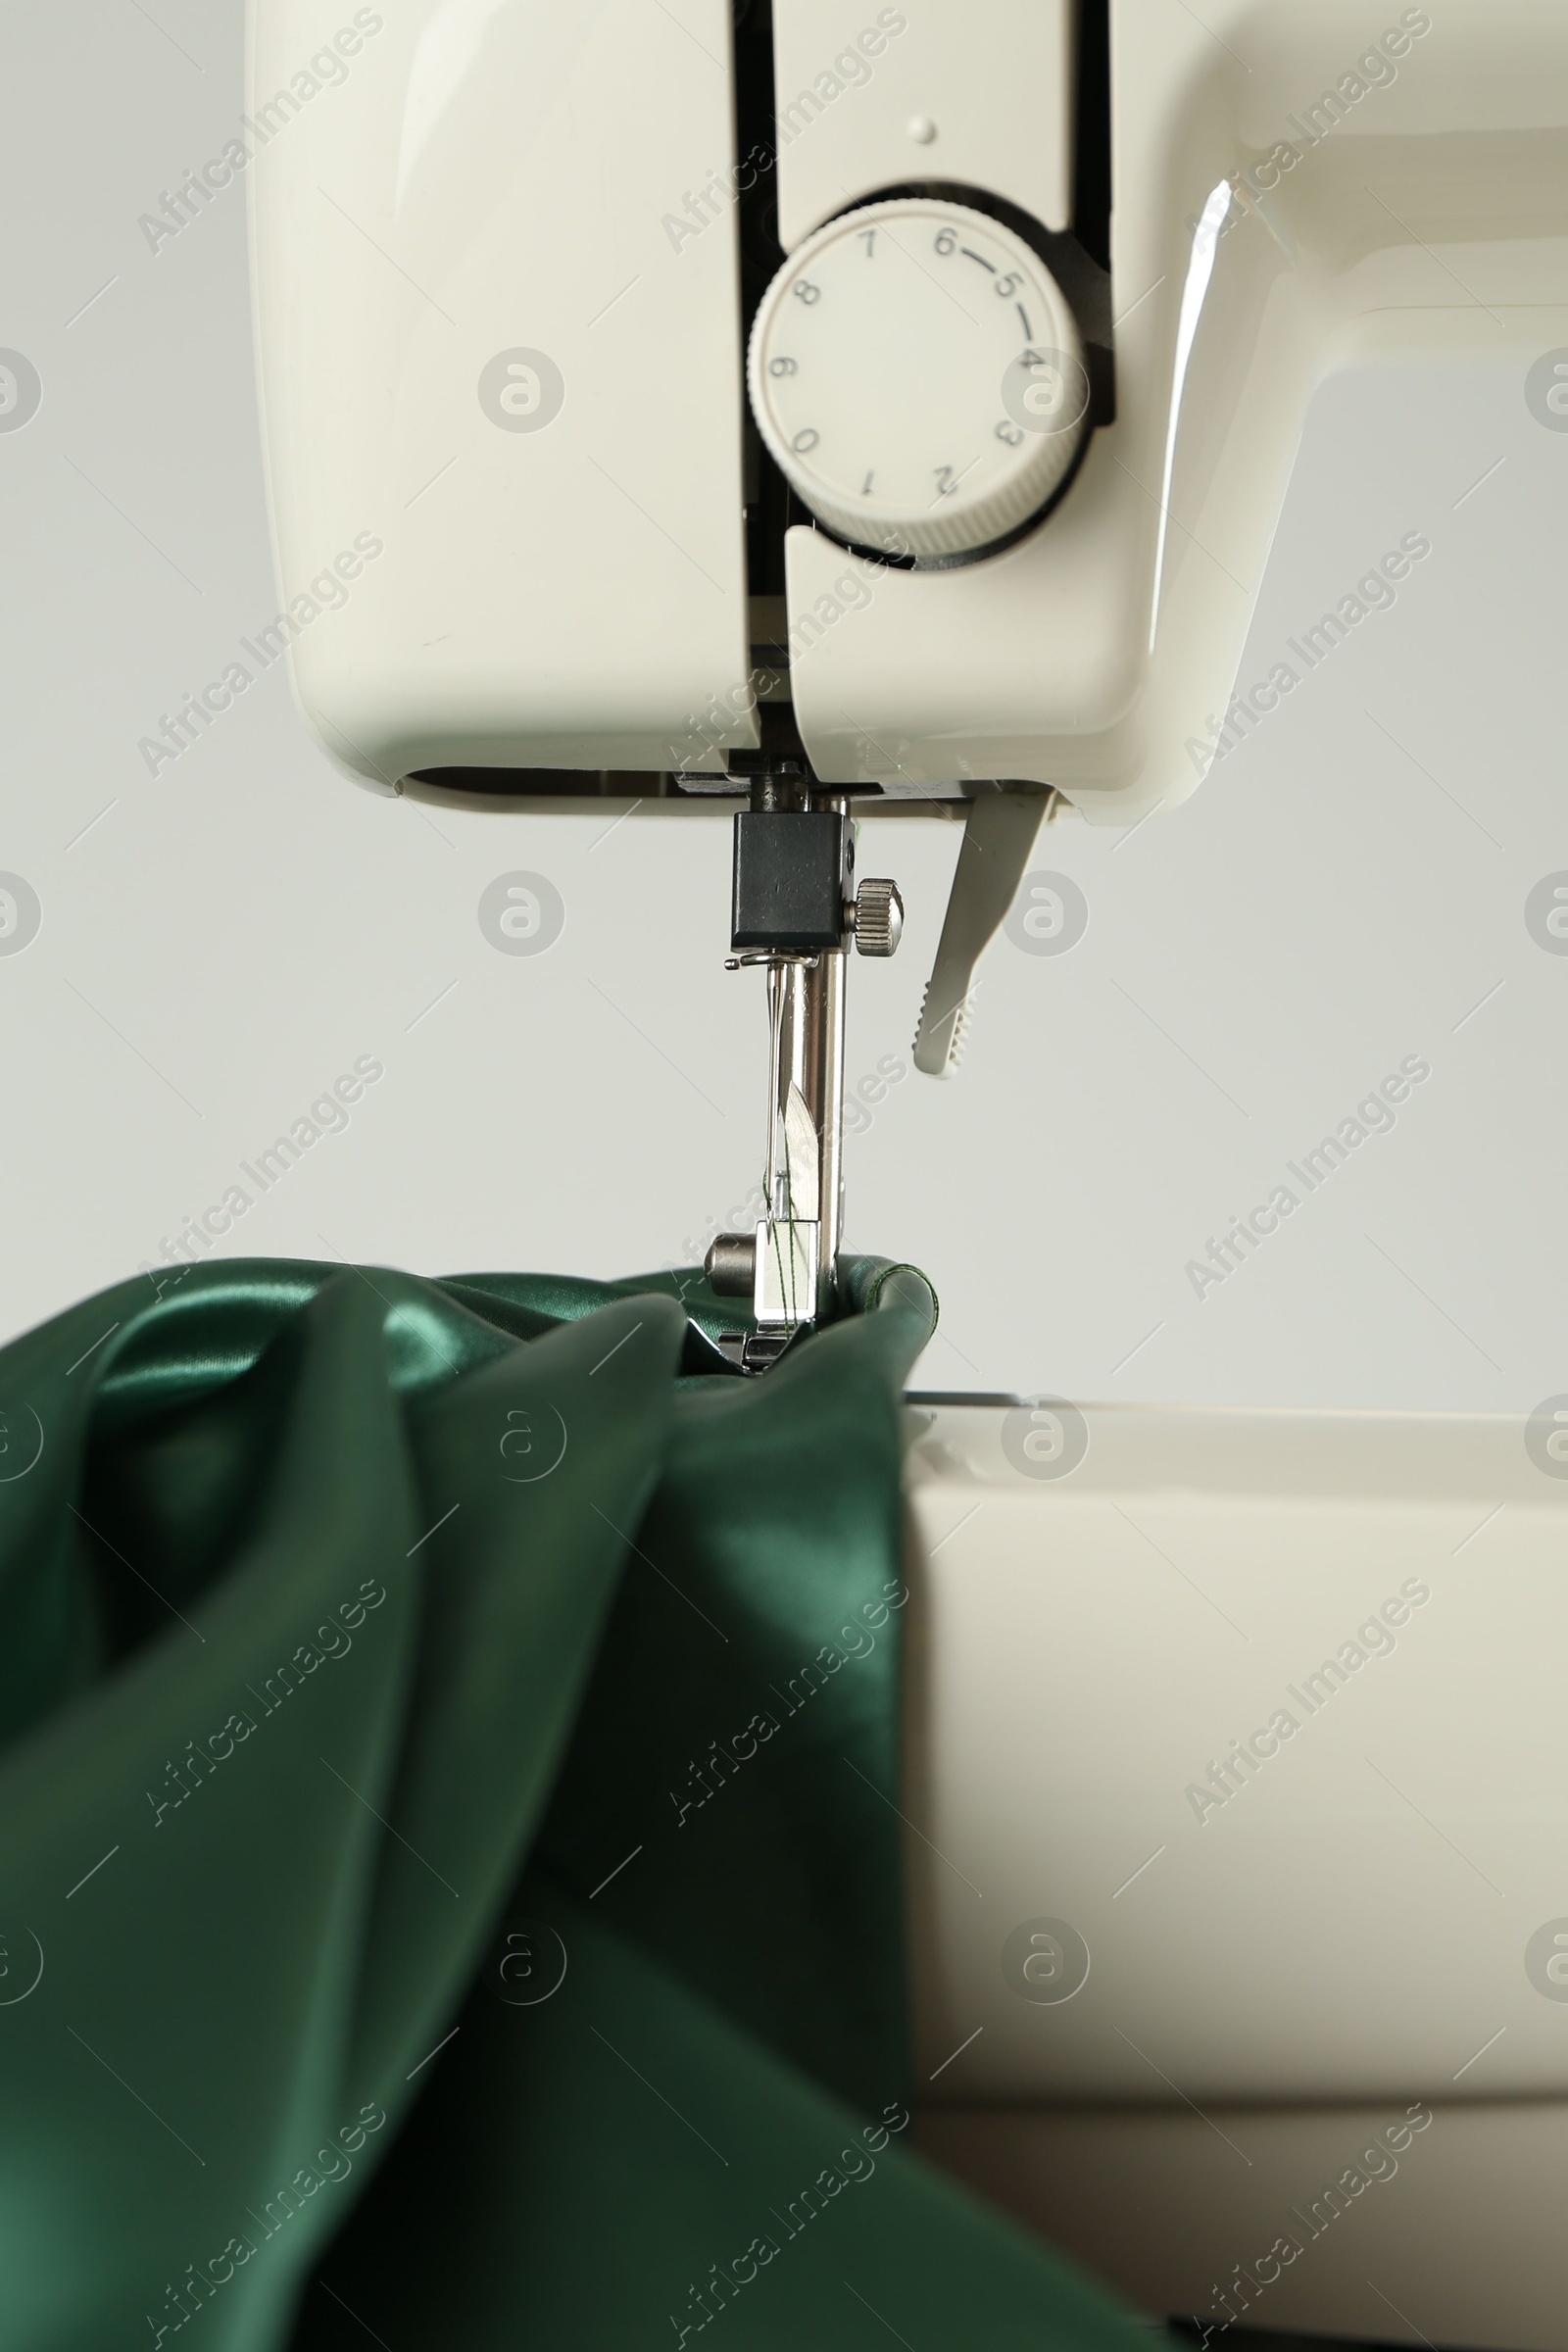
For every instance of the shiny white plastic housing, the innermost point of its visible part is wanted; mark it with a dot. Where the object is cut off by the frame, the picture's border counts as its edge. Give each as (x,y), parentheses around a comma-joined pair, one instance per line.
(1300,186)
(498,331)
(498,315)
(869,97)
(1264,1707)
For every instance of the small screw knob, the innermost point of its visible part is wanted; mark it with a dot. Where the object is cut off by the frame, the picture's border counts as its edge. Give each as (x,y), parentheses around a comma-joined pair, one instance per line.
(732,1265)
(878,917)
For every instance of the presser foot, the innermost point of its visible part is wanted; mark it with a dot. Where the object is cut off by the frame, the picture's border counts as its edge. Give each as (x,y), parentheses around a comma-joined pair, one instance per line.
(778,1267)
(755,1352)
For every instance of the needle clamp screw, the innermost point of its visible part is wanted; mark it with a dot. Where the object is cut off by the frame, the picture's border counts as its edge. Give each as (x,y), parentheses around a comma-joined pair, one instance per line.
(876,917)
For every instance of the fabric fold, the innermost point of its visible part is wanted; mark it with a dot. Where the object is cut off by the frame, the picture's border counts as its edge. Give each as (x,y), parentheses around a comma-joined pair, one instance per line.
(446,1749)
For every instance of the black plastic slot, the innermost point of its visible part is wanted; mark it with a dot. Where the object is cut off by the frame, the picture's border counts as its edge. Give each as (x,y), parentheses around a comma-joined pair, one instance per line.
(1092,159)
(761,257)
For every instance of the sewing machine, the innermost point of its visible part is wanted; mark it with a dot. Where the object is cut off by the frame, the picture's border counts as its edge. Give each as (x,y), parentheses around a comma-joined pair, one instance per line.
(838,408)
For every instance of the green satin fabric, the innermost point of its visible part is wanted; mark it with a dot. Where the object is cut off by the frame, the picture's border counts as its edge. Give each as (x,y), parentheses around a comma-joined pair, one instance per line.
(368,1648)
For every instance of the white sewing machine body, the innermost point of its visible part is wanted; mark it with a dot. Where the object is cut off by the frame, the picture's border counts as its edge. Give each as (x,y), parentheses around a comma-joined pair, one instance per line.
(1292,190)
(1237,1743)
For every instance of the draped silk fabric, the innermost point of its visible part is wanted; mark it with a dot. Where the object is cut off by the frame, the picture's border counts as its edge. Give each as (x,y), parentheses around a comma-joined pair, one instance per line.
(448,1857)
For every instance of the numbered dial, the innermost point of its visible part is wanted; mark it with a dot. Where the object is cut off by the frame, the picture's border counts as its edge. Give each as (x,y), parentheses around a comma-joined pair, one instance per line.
(918,377)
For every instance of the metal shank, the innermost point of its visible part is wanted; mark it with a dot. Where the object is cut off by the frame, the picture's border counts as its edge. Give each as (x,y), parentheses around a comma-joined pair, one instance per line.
(805,1178)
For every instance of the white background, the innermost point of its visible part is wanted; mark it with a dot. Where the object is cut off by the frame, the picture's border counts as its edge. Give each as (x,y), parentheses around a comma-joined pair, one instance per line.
(220,941)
